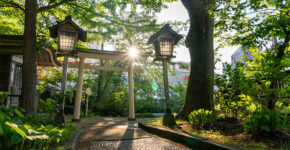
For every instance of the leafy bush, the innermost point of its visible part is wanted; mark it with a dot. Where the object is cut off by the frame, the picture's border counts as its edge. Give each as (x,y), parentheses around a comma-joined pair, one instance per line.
(145,115)
(49,106)
(30,132)
(262,121)
(234,89)
(38,120)
(201,117)
(3,96)
(68,131)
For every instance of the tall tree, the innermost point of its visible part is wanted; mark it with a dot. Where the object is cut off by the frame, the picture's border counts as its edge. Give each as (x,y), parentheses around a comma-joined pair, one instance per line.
(199,41)
(29,74)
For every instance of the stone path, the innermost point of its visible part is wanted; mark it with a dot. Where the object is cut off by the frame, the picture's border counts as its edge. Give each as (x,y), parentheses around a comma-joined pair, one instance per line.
(119,134)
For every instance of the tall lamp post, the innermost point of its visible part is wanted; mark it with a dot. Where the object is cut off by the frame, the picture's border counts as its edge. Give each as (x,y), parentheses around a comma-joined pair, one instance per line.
(68,34)
(164,41)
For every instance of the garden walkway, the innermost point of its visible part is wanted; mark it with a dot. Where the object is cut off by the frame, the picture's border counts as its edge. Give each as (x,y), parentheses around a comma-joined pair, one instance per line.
(119,134)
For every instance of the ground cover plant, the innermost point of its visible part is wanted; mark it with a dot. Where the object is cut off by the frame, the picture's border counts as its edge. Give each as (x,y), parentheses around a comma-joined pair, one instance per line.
(30,132)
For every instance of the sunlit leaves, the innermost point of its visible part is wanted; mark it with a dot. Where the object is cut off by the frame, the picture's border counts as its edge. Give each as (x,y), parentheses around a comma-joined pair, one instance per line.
(250,23)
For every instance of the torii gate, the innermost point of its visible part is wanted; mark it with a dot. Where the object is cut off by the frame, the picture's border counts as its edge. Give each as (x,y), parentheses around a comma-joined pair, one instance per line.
(110,57)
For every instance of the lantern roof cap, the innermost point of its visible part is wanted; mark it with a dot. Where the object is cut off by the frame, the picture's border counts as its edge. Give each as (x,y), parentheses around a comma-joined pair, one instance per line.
(81,33)
(165,28)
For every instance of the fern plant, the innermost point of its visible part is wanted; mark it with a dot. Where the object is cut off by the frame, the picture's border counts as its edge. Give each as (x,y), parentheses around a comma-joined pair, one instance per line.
(203,118)
(262,121)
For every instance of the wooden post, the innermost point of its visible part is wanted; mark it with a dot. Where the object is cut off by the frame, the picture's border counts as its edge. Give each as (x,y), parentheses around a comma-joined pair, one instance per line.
(131,91)
(87,105)
(166,88)
(63,83)
(77,106)
(60,118)
(88,93)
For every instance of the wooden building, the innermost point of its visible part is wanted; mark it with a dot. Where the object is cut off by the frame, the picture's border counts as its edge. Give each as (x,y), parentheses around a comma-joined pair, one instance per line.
(11,60)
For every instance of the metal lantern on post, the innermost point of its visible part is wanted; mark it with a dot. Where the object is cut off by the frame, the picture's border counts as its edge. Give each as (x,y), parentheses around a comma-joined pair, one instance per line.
(68,34)
(164,41)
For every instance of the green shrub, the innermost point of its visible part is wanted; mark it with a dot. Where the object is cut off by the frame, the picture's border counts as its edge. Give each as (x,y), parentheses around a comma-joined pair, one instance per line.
(201,117)
(49,106)
(38,121)
(68,131)
(262,121)
(3,96)
(30,132)
(145,115)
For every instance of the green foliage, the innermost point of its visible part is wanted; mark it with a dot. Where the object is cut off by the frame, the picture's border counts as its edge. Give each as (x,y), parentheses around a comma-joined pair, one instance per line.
(15,112)
(114,101)
(233,87)
(3,96)
(251,23)
(54,77)
(49,106)
(255,25)
(39,120)
(177,96)
(264,70)
(145,115)
(20,132)
(68,131)
(262,121)
(203,118)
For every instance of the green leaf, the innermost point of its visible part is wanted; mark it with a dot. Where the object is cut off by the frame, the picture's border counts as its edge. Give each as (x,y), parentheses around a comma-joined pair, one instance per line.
(18,113)
(15,139)
(266,128)
(15,128)
(1,129)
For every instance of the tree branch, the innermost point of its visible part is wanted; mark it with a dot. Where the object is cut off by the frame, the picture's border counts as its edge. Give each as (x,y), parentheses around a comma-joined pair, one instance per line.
(48,7)
(13,4)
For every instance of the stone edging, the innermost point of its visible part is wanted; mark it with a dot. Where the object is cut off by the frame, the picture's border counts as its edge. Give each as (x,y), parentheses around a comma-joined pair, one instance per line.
(71,144)
(193,142)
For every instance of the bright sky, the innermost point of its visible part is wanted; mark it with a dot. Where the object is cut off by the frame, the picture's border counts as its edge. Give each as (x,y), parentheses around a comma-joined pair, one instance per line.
(176,11)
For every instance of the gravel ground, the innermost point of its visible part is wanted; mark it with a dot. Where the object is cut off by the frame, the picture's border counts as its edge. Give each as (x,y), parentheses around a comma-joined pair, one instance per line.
(135,144)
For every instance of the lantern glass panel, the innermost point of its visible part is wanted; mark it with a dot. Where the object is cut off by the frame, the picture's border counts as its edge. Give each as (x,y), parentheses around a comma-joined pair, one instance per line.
(67,41)
(165,47)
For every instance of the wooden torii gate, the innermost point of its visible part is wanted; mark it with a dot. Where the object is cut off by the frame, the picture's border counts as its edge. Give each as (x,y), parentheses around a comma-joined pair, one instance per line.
(114,61)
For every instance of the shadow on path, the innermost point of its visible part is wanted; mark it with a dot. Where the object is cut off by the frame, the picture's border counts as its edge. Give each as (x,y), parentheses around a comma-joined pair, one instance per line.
(127,139)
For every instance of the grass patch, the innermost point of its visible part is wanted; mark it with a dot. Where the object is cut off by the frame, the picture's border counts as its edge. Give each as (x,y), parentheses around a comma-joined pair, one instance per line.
(231,134)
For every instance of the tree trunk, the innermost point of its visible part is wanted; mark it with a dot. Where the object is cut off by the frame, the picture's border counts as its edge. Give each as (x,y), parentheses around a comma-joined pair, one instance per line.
(29,73)
(100,79)
(200,44)
(272,99)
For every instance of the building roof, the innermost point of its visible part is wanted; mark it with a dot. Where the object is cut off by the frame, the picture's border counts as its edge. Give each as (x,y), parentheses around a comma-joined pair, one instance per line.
(14,45)
(239,50)
(165,28)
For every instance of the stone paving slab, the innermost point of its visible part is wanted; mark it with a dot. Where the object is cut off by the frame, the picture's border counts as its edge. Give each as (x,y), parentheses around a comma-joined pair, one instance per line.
(119,134)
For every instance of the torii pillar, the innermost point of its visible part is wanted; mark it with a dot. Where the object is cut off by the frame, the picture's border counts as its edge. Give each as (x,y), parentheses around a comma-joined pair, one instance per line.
(77,106)
(131,91)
